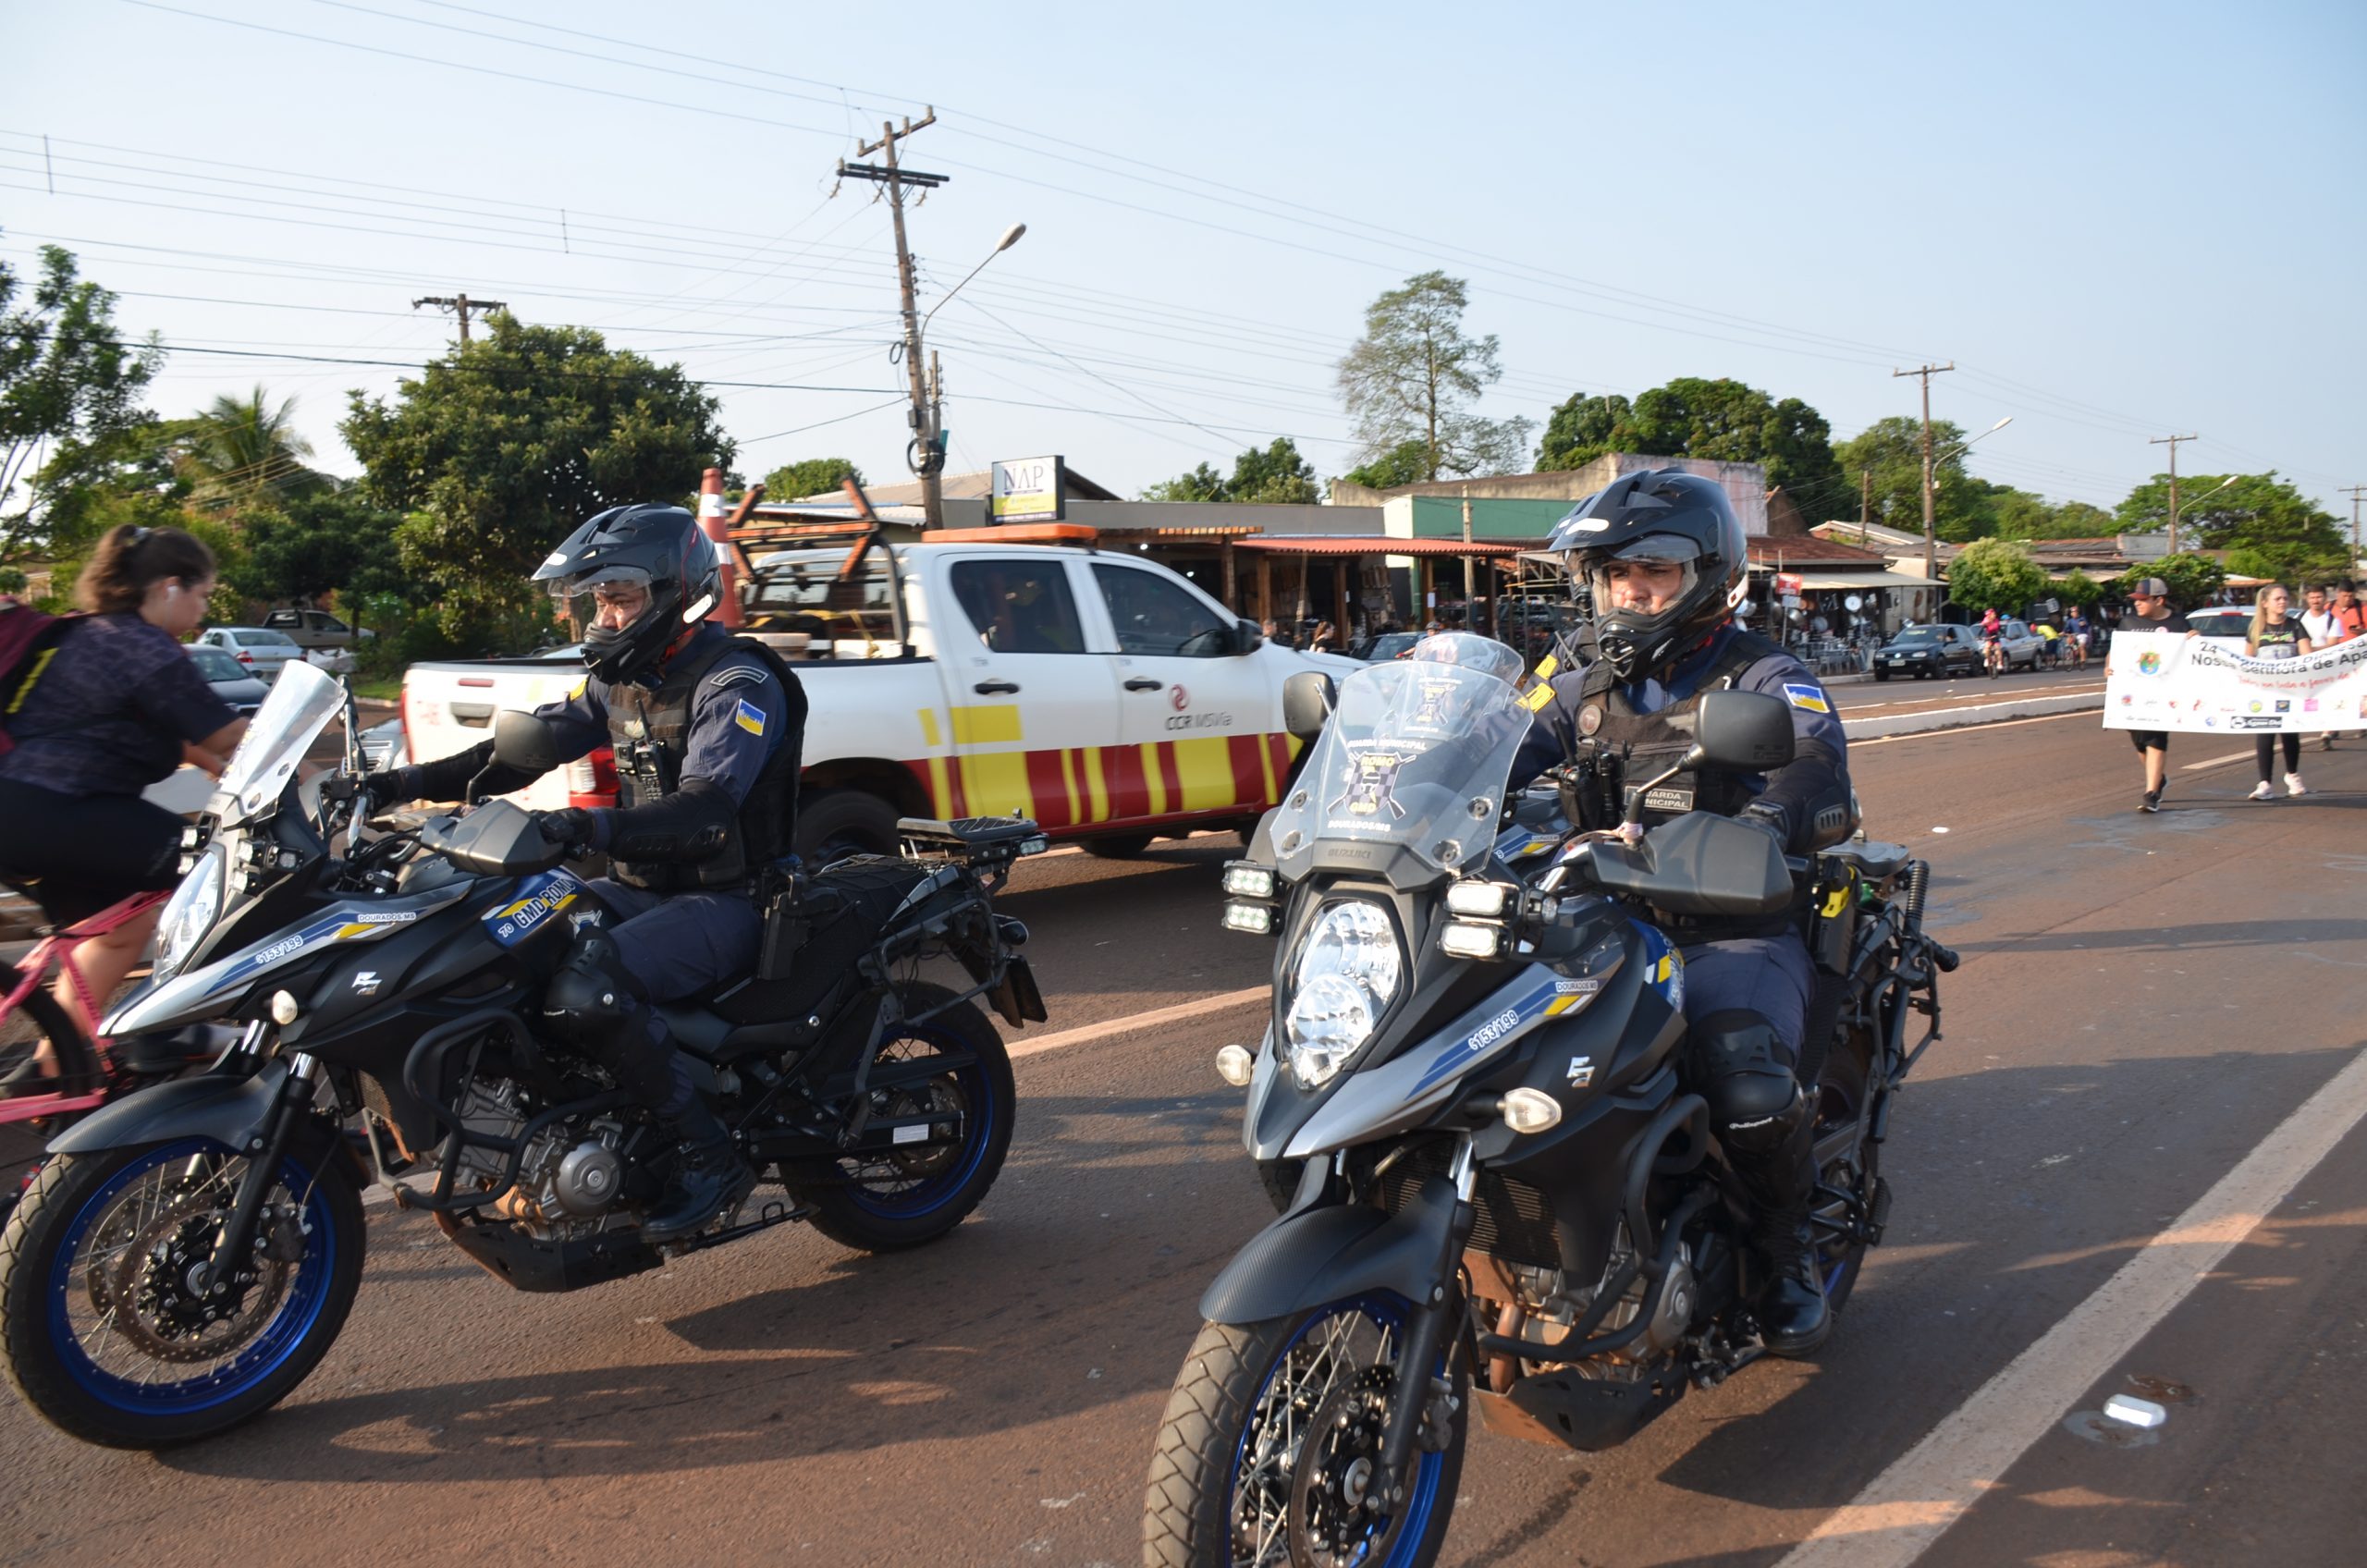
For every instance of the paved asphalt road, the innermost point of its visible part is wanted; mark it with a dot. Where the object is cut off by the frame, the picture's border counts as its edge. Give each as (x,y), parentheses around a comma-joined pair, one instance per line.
(2144,1001)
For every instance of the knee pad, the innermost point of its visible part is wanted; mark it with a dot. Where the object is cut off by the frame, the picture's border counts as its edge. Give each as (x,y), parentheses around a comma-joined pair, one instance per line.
(594,1001)
(1745,1074)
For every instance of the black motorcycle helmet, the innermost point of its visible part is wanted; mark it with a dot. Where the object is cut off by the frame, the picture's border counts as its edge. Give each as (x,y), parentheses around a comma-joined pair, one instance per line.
(656,548)
(1665,515)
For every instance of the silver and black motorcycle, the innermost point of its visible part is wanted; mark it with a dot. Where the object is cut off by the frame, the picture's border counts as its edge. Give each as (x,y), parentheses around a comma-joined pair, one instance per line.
(188,1253)
(1503,1196)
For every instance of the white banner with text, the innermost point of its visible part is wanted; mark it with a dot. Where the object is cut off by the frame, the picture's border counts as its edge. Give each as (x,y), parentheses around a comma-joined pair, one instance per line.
(2166,681)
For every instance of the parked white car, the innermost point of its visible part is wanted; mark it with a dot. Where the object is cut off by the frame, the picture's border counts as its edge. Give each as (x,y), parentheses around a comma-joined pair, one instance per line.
(261,651)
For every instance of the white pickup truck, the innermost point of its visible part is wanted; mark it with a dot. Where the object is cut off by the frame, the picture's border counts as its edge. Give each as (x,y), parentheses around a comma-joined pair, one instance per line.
(1103,695)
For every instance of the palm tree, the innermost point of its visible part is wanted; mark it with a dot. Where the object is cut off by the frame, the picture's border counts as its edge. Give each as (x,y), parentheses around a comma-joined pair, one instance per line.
(239,447)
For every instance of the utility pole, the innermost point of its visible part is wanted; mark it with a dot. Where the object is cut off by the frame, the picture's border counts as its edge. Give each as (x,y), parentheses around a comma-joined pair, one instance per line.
(2172,442)
(923,453)
(1470,589)
(1931,530)
(1865,503)
(460,305)
(2354,491)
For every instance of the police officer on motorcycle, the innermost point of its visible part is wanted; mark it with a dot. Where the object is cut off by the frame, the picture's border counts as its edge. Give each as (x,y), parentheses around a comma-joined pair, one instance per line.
(1663,557)
(707,731)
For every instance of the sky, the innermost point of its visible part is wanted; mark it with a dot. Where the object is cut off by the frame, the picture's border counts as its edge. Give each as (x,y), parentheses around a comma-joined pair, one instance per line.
(2118,222)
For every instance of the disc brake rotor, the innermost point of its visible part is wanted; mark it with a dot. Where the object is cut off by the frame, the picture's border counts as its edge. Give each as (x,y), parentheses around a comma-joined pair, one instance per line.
(1339,1507)
(150,1292)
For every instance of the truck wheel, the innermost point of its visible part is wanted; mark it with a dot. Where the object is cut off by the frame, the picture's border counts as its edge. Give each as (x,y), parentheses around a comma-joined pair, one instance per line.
(1119,846)
(834,824)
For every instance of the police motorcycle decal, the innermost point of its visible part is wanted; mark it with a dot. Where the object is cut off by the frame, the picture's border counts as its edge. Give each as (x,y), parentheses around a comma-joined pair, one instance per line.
(344,924)
(1546,995)
(539,897)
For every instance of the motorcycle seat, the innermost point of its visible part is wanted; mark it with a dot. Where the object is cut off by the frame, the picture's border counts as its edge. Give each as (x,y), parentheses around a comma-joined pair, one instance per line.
(1876,863)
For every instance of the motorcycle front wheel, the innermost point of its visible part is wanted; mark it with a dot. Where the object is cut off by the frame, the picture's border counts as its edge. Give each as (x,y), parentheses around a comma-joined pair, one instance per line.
(1271,1444)
(103,1326)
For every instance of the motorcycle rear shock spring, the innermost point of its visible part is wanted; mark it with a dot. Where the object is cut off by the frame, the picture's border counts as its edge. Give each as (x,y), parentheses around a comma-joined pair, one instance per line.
(1918,883)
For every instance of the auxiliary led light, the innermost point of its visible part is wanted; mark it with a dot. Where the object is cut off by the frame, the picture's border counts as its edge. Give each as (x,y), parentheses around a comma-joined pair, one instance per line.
(1255,919)
(1246,879)
(1485,900)
(1461,940)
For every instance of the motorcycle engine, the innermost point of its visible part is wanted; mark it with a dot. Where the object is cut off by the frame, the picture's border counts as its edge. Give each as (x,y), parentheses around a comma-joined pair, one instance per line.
(1547,1302)
(570,1178)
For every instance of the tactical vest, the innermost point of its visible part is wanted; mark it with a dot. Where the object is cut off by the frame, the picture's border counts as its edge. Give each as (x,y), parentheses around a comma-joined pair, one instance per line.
(1654,741)
(651,733)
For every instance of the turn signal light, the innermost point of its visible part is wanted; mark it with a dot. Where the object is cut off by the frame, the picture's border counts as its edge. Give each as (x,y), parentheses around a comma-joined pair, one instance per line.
(1234,1064)
(1529,1110)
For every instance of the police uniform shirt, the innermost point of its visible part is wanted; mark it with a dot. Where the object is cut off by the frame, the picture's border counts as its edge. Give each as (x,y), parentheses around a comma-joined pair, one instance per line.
(737,717)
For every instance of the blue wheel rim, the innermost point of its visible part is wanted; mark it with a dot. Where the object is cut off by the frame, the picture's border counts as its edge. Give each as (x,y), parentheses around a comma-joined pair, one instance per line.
(263,1354)
(1389,1312)
(982,1107)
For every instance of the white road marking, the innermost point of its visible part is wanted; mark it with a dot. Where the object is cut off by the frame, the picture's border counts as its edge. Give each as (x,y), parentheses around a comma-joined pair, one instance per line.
(1941,702)
(1972,729)
(2216,762)
(1088,1033)
(1911,1504)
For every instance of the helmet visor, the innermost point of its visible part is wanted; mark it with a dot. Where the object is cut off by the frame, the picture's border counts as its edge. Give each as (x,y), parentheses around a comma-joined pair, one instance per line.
(606,598)
(1646,576)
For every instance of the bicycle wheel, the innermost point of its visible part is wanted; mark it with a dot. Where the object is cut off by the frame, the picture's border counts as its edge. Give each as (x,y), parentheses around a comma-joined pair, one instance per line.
(38,1019)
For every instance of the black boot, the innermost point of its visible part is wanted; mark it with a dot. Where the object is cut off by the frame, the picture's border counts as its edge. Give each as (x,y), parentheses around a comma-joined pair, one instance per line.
(1776,1160)
(710,1177)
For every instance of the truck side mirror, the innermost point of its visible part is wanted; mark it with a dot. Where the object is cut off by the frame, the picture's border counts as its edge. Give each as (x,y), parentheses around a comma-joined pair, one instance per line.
(1743,731)
(1307,700)
(1247,638)
(523,741)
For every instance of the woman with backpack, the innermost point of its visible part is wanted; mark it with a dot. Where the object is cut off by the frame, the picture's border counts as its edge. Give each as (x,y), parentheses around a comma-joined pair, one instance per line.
(110,706)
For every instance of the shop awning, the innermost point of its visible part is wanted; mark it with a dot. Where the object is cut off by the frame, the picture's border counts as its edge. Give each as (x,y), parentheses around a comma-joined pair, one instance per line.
(1838,581)
(1370,544)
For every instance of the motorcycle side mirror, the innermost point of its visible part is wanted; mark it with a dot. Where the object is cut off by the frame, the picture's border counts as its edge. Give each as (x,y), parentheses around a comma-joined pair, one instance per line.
(1747,731)
(523,741)
(1308,701)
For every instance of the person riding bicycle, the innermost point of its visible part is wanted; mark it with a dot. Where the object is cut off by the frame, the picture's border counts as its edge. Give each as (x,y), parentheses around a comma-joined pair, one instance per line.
(114,706)
(708,731)
(1665,559)
(2076,630)
(1992,637)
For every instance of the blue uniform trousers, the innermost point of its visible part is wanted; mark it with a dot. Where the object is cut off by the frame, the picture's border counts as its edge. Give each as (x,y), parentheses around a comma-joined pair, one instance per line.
(680,943)
(1770,976)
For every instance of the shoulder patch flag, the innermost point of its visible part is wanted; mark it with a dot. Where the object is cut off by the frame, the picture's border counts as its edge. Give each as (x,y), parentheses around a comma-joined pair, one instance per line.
(1808,697)
(749,716)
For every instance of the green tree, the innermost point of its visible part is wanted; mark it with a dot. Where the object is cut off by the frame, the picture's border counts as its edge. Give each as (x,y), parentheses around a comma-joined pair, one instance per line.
(1413,377)
(1272,475)
(240,451)
(2191,579)
(2078,587)
(2276,531)
(1892,450)
(1402,464)
(69,399)
(1726,422)
(506,444)
(1582,427)
(814,477)
(1995,573)
(326,542)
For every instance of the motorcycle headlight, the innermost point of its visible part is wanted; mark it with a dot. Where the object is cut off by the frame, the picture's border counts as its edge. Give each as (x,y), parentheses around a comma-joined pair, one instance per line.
(1348,972)
(190,912)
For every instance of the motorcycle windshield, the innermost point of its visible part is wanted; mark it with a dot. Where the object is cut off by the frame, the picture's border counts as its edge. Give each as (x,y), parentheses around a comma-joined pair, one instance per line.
(1416,754)
(301,703)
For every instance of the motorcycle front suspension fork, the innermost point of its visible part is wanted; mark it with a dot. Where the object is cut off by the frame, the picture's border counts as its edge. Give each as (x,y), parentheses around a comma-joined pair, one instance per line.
(1428,1331)
(263,1152)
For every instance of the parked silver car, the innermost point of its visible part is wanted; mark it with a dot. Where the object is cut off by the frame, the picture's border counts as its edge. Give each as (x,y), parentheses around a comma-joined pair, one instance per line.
(231,681)
(261,652)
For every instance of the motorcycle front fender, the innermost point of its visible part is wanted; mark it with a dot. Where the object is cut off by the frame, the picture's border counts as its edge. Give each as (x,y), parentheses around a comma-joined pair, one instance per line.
(1312,1257)
(229,1110)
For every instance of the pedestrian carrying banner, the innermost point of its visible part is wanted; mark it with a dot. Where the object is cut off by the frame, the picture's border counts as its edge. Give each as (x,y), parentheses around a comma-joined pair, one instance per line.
(2167,680)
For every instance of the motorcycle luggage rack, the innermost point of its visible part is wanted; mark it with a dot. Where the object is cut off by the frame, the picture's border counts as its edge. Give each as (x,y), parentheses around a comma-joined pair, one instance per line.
(423,1071)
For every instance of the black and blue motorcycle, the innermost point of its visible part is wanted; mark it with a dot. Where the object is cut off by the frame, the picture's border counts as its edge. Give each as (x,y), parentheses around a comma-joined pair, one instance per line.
(188,1253)
(1497,1193)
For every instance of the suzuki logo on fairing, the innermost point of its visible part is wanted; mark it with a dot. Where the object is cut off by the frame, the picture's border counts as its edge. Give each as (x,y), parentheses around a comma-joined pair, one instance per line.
(1581,1071)
(366,982)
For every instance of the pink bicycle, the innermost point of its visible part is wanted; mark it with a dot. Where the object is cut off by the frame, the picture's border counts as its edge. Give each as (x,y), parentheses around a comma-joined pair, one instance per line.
(89,1069)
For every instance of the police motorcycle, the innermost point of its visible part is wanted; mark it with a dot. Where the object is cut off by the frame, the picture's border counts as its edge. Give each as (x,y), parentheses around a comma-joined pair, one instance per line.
(189,1252)
(1505,1199)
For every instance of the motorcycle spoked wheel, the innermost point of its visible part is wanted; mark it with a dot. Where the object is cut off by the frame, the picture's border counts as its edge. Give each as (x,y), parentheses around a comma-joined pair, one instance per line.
(100,1328)
(904,1198)
(1844,1085)
(1271,1441)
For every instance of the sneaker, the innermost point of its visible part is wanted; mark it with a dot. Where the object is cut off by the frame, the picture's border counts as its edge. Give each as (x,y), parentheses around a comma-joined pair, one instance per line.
(2292,785)
(2152,801)
(2260,791)
(2326,744)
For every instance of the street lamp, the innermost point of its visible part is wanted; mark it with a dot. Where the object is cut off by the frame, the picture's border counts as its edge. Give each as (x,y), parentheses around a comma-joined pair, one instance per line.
(1960,445)
(924,455)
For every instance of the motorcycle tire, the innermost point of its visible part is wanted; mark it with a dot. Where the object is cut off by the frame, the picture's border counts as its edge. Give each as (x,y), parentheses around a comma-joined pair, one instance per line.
(44,1278)
(866,1215)
(1189,1505)
(1844,1080)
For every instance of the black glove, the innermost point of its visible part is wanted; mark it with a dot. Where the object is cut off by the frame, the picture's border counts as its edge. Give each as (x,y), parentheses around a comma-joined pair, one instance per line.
(579,829)
(1770,819)
(372,792)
